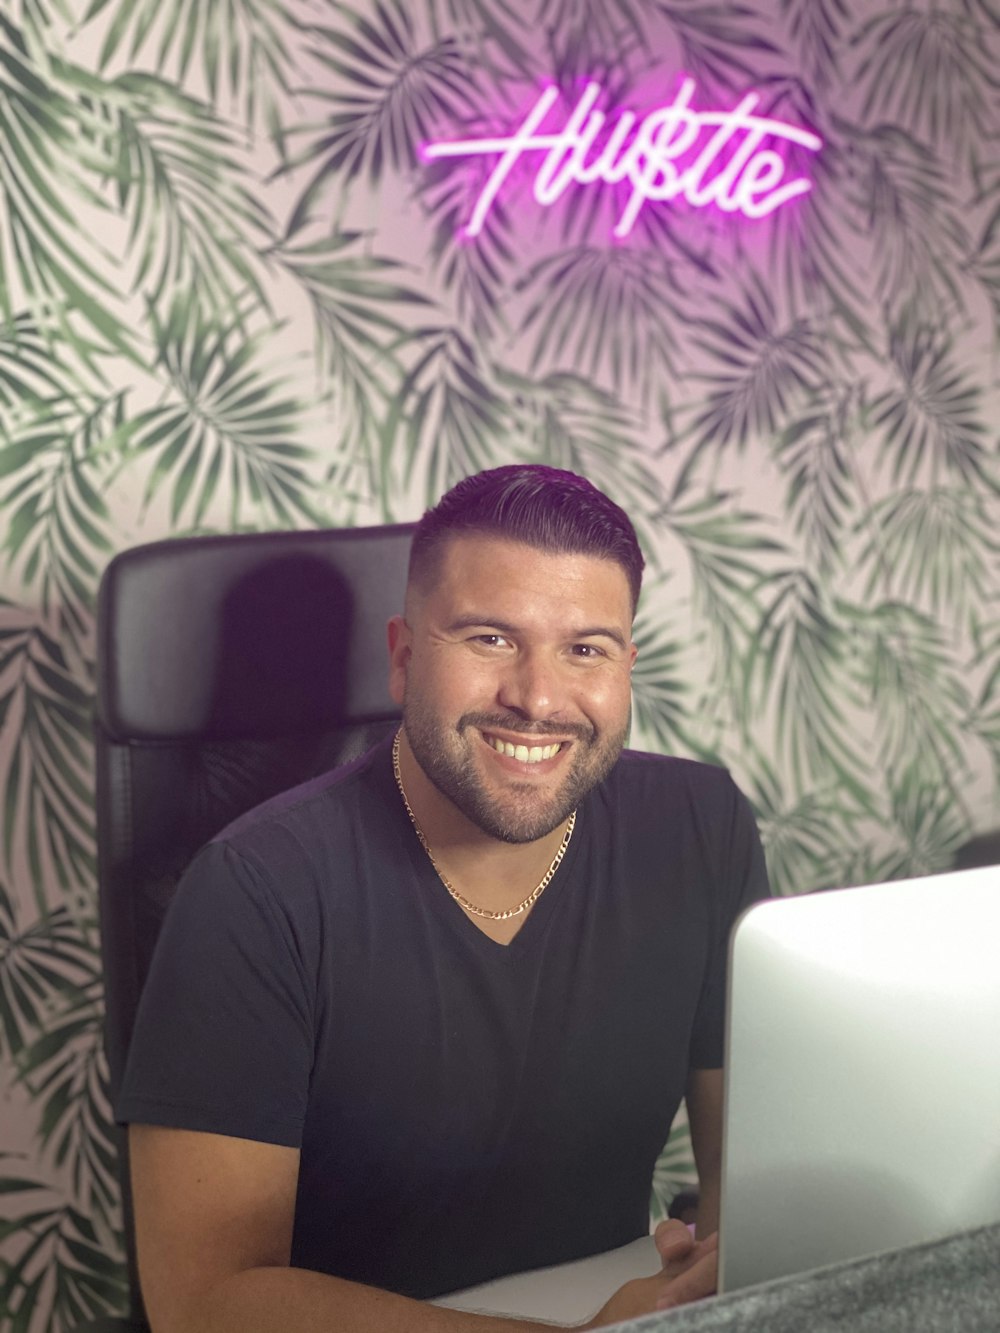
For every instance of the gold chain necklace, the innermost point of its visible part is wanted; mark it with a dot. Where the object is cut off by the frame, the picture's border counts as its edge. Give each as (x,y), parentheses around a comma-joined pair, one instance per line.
(459,898)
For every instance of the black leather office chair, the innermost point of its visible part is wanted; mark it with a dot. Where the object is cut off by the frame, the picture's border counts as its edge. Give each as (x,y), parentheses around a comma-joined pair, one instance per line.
(229,668)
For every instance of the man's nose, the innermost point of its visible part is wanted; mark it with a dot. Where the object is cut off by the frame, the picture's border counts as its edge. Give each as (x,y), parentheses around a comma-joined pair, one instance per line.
(533,686)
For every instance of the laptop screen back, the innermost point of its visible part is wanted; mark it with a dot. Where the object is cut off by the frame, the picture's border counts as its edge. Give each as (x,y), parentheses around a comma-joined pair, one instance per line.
(862,1073)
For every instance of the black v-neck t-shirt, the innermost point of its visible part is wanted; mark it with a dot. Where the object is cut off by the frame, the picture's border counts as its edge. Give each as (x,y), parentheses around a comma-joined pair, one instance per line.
(464,1109)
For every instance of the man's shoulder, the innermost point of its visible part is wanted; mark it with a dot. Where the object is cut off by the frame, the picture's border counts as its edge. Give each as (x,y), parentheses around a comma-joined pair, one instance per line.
(655,790)
(691,815)
(641,768)
(319,805)
(283,856)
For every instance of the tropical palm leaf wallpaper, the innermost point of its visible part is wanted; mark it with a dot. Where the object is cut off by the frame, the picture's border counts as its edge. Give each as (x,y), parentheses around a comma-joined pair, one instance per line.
(234,294)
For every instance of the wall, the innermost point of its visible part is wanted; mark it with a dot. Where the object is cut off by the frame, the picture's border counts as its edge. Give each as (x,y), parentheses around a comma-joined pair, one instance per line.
(231,296)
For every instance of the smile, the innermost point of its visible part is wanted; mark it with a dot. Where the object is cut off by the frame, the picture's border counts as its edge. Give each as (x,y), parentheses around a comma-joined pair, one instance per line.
(524,754)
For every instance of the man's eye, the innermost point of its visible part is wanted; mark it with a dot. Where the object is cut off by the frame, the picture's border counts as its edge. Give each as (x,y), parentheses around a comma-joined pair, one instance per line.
(491,640)
(587,650)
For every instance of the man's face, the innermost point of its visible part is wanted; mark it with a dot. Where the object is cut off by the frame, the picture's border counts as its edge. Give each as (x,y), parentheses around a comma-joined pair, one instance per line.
(513,672)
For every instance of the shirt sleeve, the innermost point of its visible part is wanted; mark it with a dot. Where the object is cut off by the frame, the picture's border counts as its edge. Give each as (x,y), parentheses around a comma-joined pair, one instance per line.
(223,1037)
(740,880)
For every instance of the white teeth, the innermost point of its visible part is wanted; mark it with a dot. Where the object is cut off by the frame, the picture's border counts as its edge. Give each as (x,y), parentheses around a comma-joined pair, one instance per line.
(522,753)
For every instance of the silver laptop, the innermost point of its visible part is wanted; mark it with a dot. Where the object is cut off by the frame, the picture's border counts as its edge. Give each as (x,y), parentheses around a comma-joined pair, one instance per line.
(862,1073)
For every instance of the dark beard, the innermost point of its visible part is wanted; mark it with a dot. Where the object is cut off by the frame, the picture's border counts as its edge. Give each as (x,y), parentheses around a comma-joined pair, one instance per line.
(457,779)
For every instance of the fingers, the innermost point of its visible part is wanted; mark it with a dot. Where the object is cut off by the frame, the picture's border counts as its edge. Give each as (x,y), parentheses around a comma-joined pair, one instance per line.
(673,1240)
(698,1280)
(689,1281)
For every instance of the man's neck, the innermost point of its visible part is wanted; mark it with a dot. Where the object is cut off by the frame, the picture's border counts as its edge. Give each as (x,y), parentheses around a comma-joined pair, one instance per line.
(489,872)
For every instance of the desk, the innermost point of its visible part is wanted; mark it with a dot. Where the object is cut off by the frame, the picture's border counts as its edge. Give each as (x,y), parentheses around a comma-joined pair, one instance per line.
(567,1294)
(945,1286)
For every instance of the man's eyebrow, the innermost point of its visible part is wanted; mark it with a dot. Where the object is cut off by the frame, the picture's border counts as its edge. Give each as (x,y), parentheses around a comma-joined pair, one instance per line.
(601,632)
(473,621)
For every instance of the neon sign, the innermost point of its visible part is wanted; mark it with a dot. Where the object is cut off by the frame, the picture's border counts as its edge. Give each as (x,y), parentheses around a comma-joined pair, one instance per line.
(669,153)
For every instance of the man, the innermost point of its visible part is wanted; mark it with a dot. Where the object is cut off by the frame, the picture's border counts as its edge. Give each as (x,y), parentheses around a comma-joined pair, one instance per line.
(426,1020)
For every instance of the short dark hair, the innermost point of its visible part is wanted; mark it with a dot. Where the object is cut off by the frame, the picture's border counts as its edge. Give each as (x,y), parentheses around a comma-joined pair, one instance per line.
(541,506)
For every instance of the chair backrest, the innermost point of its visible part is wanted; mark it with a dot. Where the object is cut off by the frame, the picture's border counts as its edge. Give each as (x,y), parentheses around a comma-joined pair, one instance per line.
(229,669)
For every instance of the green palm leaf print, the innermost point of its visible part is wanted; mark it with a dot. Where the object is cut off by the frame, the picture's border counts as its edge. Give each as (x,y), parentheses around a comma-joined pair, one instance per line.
(914,687)
(63,1271)
(353,296)
(765,366)
(929,419)
(45,264)
(716,39)
(225,421)
(504,46)
(51,475)
(803,832)
(241,47)
(63,1071)
(359,305)
(941,80)
(816,27)
(446,420)
(612,313)
(31,369)
(390,93)
(816,454)
(724,549)
(478,274)
(661,693)
(935,548)
(567,421)
(798,668)
(39,963)
(902,197)
(46,772)
(174,169)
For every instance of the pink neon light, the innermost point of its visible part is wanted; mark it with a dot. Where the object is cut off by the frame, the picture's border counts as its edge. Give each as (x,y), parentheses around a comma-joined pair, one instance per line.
(648,154)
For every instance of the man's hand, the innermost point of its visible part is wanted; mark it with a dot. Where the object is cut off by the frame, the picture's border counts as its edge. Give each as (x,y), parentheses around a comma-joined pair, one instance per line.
(690,1270)
(692,1266)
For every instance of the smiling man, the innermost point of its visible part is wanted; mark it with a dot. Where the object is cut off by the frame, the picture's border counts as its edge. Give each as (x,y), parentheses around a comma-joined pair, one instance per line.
(512,666)
(426,1021)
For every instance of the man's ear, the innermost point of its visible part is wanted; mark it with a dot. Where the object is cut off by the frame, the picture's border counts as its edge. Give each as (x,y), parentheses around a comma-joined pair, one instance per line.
(399,638)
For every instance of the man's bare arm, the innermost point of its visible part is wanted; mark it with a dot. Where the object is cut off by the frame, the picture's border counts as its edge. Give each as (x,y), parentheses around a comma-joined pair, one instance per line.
(704,1103)
(214,1218)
